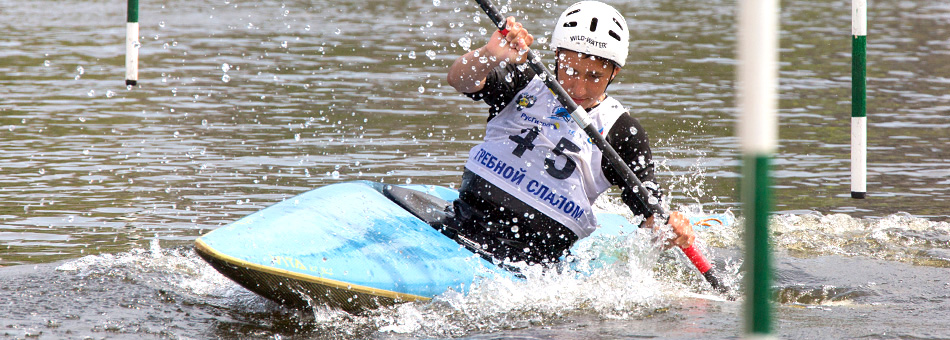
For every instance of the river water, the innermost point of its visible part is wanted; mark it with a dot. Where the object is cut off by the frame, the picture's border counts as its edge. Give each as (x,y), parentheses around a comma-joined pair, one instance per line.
(243,104)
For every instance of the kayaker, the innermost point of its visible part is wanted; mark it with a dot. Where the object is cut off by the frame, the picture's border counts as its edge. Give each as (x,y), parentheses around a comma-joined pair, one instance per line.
(528,188)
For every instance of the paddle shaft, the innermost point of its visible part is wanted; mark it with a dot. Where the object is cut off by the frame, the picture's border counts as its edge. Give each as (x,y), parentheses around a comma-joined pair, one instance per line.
(581,117)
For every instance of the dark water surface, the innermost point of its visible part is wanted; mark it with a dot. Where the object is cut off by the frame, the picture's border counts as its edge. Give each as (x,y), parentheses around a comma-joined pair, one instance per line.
(244,104)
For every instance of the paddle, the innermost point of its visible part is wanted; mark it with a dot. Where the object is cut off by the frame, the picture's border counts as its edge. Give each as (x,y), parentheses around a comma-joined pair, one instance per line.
(581,117)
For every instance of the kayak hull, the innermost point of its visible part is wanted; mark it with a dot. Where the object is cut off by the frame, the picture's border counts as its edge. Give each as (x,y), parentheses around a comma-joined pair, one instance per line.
(344,245)
(350,246)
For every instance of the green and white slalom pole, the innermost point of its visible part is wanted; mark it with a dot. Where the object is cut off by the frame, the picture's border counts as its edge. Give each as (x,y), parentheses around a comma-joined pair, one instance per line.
(132,44)
(859,115)
(758,131)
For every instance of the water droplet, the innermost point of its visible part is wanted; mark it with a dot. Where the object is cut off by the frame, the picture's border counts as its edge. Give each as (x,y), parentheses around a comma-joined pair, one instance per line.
(297,137)
(422,89)
(85,152)
(436,3)
(110,94)
(136,44)
(483,59)
(408,180)
(514,229)
(42,171)
(335,174)
(225,67)
(161,24)
(633,130)
(338,31)
(283,44)
(412,54)
(225,78)
(46,63)
(430,54)
(80,69)
(91,93)
(204,122)
(307,28)
(465,43)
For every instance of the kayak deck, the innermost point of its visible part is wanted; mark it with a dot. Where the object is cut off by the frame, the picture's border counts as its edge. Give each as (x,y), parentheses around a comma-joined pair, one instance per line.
(345,245)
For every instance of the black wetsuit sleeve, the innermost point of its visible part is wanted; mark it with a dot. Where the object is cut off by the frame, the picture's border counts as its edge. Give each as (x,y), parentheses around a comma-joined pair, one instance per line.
(501,86)
(630,140)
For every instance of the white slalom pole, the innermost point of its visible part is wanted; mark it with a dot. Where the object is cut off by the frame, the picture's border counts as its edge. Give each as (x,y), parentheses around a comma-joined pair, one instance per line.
(758,132)
(859,118)
(132,44)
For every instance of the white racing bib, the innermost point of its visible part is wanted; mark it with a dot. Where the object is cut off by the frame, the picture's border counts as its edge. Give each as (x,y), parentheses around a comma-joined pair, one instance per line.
(536,153)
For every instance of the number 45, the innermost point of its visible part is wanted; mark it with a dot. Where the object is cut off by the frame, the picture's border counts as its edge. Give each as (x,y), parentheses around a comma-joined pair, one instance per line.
(527,143)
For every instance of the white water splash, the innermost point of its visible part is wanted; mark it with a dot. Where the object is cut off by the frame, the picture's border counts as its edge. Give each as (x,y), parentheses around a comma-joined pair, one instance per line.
(176,270)
(628,288)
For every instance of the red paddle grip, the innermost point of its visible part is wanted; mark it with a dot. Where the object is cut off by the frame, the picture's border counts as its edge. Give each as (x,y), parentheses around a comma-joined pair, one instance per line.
(697,259)
(503,32)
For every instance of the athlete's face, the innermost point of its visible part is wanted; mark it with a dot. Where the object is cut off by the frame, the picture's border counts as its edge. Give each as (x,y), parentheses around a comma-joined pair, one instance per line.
(584,77)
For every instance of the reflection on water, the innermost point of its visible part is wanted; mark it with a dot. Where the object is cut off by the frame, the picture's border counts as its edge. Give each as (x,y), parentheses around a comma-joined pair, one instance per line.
(243,104)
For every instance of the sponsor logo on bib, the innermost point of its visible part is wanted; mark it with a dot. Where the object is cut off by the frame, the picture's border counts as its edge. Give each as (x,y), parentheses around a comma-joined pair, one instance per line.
(525,101)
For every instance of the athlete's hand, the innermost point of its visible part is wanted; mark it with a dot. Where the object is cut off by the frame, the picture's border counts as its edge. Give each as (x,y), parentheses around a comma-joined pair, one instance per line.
(683,236)
(683,230)
(512,47)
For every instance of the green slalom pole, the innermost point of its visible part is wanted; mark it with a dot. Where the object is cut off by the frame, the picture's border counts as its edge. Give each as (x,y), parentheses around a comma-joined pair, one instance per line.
(758,132)
(132,44)
(859,116)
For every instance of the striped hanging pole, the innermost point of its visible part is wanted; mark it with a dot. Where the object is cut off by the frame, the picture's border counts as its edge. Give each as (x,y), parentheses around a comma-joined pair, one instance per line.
(758,132)
(859,115)
(132,44)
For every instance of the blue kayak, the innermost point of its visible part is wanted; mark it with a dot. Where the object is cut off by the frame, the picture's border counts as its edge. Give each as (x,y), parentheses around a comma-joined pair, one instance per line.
(354,246)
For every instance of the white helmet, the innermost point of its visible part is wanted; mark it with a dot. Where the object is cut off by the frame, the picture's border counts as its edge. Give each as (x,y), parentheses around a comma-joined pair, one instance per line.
(593,28)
